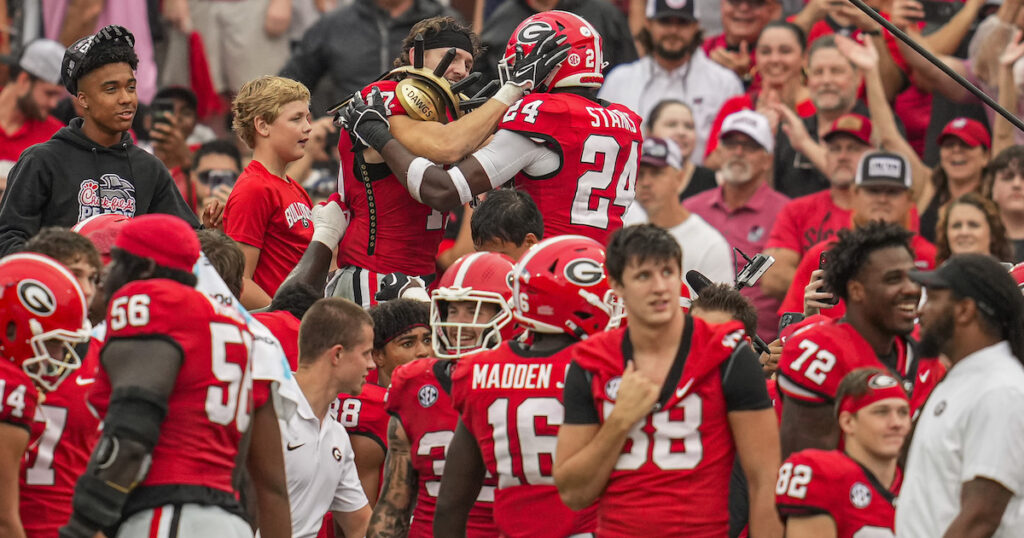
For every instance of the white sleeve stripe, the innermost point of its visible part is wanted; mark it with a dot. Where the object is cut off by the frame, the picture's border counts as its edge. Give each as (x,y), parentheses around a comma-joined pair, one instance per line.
(796,390)
(414,177)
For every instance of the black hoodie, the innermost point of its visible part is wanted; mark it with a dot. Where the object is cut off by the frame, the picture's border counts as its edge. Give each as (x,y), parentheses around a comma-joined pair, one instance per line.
(70,178)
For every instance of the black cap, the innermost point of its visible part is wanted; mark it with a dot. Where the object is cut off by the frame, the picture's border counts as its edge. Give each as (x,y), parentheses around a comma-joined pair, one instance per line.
(883,168)
(663,9)
(79,50)
(977,276)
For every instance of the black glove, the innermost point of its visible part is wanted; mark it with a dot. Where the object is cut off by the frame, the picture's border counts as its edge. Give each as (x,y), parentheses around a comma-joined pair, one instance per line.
(529,71)
(393,285)
(480,97)
(366,122)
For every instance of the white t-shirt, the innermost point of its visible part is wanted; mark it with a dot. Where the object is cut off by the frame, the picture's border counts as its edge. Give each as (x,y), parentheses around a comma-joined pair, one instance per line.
(971,427)
(321,470)
(704,250)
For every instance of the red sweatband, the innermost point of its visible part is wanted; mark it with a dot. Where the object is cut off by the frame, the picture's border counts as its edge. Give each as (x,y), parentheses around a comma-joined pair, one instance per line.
(165,239)
(880,387)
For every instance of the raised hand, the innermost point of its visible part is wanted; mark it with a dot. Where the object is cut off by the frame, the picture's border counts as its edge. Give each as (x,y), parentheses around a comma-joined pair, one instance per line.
(1014,50)
(529,70)
(366,121)
(738,61)
(862,55)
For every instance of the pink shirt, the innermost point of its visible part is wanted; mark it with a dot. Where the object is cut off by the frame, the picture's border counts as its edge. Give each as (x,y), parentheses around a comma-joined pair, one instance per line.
(747,228)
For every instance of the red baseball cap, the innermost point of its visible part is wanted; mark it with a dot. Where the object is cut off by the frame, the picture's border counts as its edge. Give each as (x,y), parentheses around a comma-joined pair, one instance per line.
(970,132)
(166,239)
(853,125)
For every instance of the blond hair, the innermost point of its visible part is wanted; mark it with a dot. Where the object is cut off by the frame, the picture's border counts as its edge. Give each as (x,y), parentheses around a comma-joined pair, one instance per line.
(263,98)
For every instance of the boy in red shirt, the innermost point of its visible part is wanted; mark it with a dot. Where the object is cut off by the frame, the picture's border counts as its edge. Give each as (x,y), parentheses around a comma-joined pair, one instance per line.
(268,213)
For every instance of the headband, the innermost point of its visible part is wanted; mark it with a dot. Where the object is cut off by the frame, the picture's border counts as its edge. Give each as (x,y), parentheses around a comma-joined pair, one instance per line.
(880,387)
(401,332)
(448,38)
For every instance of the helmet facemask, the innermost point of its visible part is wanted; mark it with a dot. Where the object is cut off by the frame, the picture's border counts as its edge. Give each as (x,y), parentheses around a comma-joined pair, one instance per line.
(448,335)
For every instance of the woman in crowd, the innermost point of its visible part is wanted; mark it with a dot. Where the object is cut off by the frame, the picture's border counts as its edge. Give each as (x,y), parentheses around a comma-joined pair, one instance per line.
(673,119)
(1004,184)
(971,224)
(780,63)
(963,153)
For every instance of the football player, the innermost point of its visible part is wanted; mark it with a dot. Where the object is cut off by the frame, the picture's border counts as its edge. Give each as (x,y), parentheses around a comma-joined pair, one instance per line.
(510,399)
(52,465)
(401,334)
(392,231)
(469,311)
(576,156)
(656,413)
(43,311)
(868,268)
(154,363)
(850,492)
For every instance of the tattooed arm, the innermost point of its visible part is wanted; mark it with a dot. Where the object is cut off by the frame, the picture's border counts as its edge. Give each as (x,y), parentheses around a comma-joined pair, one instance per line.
(393,512)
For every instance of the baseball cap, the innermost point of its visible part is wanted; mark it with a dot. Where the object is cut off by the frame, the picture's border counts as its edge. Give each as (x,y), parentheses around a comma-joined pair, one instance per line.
(166,239)
(661,152)
(752,124)
(41,59)
(79,50)
(978,276)
(883,168)
(664,9)
(970,131)
(853,125)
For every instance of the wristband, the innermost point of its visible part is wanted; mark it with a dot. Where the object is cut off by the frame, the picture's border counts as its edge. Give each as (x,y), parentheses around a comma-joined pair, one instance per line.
(414,177)
(508,93)
(461,185)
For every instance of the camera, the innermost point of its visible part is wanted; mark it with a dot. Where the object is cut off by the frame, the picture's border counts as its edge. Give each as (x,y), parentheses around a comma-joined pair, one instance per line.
(753,270)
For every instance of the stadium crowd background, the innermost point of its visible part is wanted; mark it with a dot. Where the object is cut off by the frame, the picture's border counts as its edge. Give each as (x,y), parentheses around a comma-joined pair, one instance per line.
(694,136)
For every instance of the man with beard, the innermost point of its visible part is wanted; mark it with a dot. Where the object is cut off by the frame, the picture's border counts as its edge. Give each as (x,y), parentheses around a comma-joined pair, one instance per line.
(965,472)
(675,67)
(27,100)
(869,268)
(833,81)
(808,220)
(744,207)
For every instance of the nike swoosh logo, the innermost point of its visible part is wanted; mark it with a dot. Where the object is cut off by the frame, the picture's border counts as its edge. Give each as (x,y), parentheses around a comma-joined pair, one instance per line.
(923,377)
(681,391)
(84,381)
(290,447)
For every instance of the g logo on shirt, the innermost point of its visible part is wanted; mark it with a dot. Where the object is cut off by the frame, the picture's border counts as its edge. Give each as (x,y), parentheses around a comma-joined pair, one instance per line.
(611,388)
(298,211)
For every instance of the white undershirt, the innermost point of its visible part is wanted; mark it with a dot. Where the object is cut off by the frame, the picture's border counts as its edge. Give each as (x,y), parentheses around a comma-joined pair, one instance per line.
(509,152)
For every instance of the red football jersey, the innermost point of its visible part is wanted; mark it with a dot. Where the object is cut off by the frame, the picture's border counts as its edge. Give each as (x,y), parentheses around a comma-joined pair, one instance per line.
(817,356)
(420,397)
(813,482)
(405,233)
(53,464)
(511,401)
(285,327)
(365,414)
(600,150)
(18,399)
(673,474)
(209,407)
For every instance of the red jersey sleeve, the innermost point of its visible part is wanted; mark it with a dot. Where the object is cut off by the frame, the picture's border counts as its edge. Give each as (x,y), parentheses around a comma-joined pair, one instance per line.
(812,364)
(461,379)
(249,211)
(803,487)
(364,414)
(18,398)
(530,115)
(786,234)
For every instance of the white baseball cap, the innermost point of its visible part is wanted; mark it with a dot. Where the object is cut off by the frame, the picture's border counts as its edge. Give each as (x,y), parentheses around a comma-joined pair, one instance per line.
(752,124)
(41,58)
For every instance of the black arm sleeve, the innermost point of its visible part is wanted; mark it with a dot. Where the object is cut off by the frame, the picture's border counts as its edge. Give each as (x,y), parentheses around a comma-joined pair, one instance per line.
(28,189)
(579,402)
(743,381)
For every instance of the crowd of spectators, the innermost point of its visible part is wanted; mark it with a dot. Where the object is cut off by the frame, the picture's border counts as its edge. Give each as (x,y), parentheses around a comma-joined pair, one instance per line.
(731,130)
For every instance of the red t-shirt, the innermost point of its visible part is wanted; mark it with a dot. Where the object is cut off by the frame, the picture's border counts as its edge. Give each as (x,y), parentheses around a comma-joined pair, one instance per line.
(285,327)
(807,221)
(815,482)
(209,408)
(820,352)
(600,151)
(924,258)
(52,465)
(511,401)
(804,109)
(390,231)
(272,214)
(32,132)
(672,476)
(420,398)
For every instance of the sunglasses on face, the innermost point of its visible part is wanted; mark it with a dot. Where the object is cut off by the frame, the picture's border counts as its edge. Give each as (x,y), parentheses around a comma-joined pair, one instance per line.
(212,178)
